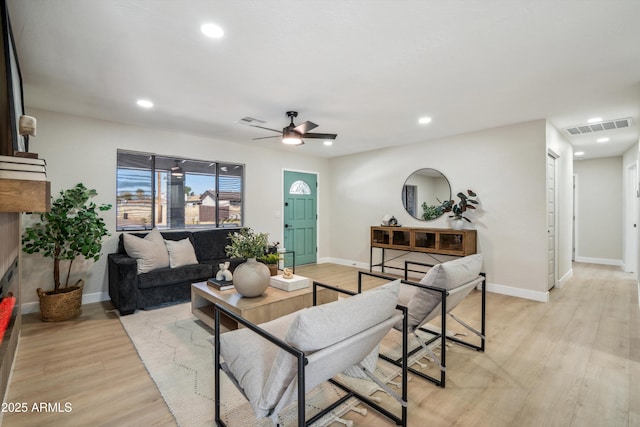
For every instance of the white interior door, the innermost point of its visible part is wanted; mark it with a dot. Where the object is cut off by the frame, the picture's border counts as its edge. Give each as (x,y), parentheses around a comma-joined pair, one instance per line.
(551,220)
(631,220)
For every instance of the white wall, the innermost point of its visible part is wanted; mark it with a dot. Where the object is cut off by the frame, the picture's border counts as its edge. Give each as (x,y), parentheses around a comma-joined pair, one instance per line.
(79,149)
(564,204)
(507,168)
(599,210)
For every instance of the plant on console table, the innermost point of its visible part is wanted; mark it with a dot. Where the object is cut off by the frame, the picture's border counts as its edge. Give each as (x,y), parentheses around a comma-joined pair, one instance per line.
(467,201)
(251,278)
(72,228)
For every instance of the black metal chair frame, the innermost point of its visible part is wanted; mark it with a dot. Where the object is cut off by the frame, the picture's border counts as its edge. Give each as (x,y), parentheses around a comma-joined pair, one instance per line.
(302,362)
(442,336)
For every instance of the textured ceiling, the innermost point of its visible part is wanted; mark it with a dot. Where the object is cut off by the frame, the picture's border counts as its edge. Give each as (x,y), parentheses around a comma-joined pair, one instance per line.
(366,70)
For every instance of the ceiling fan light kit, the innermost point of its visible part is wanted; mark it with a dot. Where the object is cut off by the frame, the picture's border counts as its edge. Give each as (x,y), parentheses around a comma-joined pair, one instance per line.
(293,135)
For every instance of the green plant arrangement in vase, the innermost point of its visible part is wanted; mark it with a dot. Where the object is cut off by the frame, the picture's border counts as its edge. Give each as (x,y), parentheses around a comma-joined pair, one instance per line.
(72,228)
(467,201)
(251,278)
(247,244)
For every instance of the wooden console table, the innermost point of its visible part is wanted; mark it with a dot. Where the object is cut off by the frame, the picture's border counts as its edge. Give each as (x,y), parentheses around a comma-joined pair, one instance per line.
(443,241)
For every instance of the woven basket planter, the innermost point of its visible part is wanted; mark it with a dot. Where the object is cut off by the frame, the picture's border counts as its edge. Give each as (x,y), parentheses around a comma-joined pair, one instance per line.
(63,304)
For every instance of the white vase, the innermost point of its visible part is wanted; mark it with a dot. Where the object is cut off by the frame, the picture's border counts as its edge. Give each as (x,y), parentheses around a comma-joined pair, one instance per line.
(251,278)
(458,224)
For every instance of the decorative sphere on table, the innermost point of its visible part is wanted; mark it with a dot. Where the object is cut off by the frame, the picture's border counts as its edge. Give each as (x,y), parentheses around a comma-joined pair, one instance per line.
(251,278)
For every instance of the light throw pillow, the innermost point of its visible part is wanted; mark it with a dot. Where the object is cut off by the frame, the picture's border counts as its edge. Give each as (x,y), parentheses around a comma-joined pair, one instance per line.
(324,325)
(149,252)
(458,272)
(423,301)
(448,275)
(181,252)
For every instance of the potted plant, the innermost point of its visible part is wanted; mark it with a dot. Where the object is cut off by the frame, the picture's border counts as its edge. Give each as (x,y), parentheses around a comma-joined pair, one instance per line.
(250,278)
(467,201)
(71,229)
(271,260)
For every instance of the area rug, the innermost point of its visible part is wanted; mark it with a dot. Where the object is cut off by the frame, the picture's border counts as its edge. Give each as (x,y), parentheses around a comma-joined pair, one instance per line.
(173,346)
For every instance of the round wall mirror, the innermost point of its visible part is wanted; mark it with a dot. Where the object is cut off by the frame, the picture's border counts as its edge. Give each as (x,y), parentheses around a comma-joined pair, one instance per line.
(423,193)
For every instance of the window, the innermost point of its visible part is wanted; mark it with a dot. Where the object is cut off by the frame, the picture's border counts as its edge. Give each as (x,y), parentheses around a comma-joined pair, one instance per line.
(176,193)
(299,187)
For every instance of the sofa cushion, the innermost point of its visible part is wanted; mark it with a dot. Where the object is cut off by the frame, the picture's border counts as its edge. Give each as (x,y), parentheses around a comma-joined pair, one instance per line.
(180,253)
(211,244)
(149,252)
(171,276)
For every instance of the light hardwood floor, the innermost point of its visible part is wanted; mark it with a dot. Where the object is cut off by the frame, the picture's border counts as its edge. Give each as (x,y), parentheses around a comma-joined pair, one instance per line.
(574,361)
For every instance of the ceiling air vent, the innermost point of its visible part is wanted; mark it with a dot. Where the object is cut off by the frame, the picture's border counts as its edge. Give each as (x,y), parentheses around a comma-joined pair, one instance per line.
(250,121)
(597,127)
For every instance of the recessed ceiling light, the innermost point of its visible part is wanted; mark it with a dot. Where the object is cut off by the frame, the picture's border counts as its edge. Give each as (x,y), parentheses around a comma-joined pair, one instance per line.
(602,140)
(594,120)
(328,142)
(212,30)
(144,103)
(424,120)
(578,153)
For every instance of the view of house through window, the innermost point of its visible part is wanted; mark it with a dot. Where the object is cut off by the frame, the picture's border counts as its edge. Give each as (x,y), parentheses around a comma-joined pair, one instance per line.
(173,193)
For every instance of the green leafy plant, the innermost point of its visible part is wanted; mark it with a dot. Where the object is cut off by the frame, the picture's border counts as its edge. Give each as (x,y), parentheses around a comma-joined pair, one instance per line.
(71,229)
(467,201)
(247,244)
(269,259)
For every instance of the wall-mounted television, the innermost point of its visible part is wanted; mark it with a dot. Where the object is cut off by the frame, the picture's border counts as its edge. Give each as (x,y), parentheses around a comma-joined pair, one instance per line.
(11,100)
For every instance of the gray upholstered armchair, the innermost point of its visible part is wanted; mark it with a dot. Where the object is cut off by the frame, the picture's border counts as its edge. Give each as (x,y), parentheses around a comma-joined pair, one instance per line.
(276,363)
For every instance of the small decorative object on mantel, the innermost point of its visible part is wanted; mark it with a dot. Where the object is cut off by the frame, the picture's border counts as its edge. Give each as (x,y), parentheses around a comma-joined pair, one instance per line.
(250,278)
(390,221)
(467,201)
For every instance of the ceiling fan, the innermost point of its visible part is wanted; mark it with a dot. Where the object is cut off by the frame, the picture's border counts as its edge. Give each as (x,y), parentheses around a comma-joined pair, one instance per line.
(292,134)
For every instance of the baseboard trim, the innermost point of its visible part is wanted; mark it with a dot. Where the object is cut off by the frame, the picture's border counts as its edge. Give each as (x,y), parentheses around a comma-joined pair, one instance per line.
(491,287)
(34,307)
(346,262)
(518,292)
(564,279)
(603,261)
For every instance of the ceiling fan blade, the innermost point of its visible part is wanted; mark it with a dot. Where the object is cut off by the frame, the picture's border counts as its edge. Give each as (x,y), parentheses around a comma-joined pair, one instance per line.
(320,135)
(262,127)
(266,137)
(305,127)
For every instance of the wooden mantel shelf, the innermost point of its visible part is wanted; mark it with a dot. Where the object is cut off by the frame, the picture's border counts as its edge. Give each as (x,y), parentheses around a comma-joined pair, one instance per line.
(18,195)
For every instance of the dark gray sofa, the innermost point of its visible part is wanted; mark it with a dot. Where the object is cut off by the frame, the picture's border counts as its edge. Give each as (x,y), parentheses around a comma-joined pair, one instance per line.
(130,291)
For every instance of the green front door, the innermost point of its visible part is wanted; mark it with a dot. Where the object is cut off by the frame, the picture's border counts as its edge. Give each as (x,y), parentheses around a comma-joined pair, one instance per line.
(300,216)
